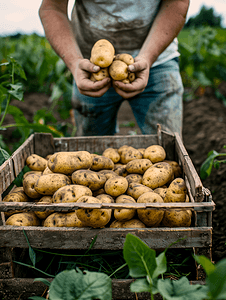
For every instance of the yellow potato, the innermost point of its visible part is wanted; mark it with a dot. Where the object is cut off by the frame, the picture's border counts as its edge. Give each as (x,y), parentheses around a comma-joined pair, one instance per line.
(93,180)
(177,170)
(155,153)
(118,70)
(120,170)
(59,219)
(108,173)
(17,195)
(112,154)
(23,219)
(116,224)
(101,162)
(50,183)
(157,175)
(44,214)
(123,214)
(93,217)
(104,198)
(161,191)
(128,154)
(68,162)
(176,191)
(135,190)
(29,186)
(102,53)
(100,75)
(116,186)
(125,57)
(134,178)
(36,162)
(134,223)
(176,218)
(71,193)
(150,217)
(138,166)
(131,77)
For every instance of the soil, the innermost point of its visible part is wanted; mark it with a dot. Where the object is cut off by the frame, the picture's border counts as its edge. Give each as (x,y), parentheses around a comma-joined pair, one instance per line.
(204,129)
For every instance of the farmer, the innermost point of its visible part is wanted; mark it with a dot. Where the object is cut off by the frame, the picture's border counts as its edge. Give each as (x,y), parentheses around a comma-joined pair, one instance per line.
(146,29)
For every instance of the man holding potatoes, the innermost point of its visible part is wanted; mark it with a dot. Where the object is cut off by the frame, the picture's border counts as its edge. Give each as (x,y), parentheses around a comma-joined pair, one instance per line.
(145,29)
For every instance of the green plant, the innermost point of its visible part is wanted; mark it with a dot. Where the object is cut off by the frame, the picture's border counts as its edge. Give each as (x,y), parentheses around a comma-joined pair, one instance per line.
(210,162)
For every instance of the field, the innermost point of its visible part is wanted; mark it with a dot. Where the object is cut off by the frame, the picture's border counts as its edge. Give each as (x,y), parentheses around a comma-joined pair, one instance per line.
(203,69)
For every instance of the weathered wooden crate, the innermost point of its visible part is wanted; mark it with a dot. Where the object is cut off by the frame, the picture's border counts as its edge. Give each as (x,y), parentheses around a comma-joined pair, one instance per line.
(198,236)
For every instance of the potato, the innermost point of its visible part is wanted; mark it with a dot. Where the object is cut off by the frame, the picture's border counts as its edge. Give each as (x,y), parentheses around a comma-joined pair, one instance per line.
(108,173)
(23,219)
(68,162)
(122,148)
(135,190)
(138,166)
(176,191)
(92,78)
(124,214)
(131,77)
(150,217)
(116,186)
(125,81)
(47,171)
(120,170)
(176,168)
(71,193)
(101,162)
(134,223)
(29,186)
(128,154)
(155,153)
(17,195)
(102,53)
(100,75)
(161,191)
(176,218)
(116,224)
(32,172)
(104,198)
(50,183)
(134,178)
(36,162)
(157,175)
(141,151)
(59,219)
(118,70)
(44,214)
(93,217)
(112,154)
(99,192)
(93,180)
(126,58)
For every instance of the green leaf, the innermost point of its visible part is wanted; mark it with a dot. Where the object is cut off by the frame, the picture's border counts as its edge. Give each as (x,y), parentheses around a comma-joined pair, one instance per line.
(181,289)
(161,265)
(32,253)
(43,280)
(74,285)
(139,257)
(4,155)
(17,94)
(207,165)
(216,281)
(206,263)
(140,285)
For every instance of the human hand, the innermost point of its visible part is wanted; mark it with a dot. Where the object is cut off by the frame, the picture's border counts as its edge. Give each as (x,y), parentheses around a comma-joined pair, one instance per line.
(141,67)
(82,73)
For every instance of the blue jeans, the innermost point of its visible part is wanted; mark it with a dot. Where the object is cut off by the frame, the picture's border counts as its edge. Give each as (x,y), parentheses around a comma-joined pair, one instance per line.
(160,103)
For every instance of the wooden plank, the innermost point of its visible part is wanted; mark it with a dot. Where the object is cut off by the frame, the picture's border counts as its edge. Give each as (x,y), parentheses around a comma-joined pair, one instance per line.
(43,144)
(20,155)
(107,238)
(196,206)
(6,174)
(189,170)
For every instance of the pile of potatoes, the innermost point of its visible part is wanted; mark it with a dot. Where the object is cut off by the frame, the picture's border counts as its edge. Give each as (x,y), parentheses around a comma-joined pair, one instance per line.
(111,65)
(124,175)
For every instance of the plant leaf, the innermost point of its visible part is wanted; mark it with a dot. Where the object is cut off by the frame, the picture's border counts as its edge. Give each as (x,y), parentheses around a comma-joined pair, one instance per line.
(4,155)
(181,290)
(43,280)
(139,257)
(161,265)
(140,285)
(32,253)
(74,285)
(207,165)
(36,298)
(206,263)
(216,281)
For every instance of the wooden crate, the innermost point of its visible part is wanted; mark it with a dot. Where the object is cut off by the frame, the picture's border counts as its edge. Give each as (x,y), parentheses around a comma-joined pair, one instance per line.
(198,236)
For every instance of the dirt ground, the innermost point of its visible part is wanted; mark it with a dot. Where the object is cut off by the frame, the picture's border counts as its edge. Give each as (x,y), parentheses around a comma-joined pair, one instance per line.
(204,129)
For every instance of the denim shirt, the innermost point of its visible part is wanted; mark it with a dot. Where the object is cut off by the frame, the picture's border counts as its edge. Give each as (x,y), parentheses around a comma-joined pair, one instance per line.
(125,23)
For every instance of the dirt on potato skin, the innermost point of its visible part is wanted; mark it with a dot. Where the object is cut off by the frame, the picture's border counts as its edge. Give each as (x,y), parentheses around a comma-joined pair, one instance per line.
(204,129)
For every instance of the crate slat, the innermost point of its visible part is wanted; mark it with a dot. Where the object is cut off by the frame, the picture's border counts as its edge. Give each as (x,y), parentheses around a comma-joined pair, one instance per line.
(107,238)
